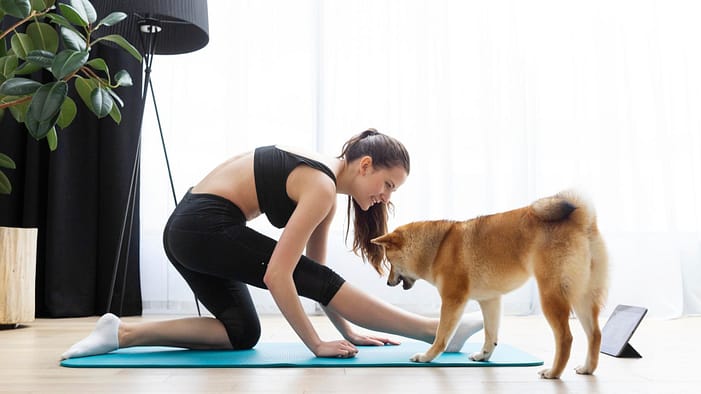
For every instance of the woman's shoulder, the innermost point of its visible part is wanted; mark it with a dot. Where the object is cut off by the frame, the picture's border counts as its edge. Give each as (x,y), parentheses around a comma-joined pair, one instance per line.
(330,163)
(307,153)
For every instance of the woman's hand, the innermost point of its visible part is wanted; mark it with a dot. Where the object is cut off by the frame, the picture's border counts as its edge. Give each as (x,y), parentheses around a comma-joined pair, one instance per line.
(370,340)
(339,349)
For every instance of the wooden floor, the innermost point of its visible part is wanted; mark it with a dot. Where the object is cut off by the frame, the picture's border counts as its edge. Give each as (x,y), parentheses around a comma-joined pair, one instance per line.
(671,349)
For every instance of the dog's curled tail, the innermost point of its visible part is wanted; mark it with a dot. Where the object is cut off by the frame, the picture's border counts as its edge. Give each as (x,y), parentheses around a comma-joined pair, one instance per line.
(569,205)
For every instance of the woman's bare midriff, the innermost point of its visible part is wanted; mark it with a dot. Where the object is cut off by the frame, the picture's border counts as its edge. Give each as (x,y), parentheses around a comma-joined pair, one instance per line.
(234,181)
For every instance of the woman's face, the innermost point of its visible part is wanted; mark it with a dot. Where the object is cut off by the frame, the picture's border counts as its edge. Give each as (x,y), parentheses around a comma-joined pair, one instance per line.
(376,184)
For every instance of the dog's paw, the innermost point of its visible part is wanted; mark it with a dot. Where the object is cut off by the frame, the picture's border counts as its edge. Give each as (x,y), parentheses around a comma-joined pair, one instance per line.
(584,370)
(421,358)
(548,374)
(480,356)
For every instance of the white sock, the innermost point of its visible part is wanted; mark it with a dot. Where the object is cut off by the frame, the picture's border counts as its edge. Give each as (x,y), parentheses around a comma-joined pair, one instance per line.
(103,339)
(468,326)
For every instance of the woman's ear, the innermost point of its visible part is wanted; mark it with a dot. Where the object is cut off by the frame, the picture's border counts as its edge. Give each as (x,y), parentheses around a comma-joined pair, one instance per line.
(365,164)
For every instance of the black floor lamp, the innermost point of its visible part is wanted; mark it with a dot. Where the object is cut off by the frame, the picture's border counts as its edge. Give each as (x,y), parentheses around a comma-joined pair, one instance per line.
(155,27)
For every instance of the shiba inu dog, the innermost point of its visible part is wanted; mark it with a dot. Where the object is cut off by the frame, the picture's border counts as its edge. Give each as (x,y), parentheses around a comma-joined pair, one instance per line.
(555,239)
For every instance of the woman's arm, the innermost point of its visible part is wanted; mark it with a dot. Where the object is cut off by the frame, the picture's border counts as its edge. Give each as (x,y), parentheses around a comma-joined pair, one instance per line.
(314,202)
(316,250)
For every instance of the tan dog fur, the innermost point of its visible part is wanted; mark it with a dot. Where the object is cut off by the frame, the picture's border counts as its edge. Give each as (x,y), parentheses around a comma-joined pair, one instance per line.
(554,239)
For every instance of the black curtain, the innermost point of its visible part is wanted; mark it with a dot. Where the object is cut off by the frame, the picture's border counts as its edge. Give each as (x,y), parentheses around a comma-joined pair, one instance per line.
(76,196)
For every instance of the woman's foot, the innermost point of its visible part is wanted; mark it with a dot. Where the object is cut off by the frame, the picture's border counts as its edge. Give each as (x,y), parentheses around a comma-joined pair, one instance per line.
(468,327)
(102,340)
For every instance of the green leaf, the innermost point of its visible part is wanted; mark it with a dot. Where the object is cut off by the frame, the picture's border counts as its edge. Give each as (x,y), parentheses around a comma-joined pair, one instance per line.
(47,101)
(86,10)
(122,78)
(112,19)
(100,65)
(73,15)
(27,68)
(8,65)
(73,40)
(5,185)
(42,58)
(61,21)
(22,44)
(39,5)
(52,139)
(68,112)
(84,87)
(17,8)
(119,40)
(44,36)
(116,114)
(19,87)
(68,61)
(102,102)
(39,128)
(7,162)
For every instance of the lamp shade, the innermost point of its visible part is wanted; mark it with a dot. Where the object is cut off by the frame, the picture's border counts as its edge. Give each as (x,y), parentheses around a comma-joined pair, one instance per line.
(184,23)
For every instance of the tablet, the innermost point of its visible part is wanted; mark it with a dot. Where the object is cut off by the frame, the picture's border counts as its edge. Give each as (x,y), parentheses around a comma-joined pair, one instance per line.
(619,329)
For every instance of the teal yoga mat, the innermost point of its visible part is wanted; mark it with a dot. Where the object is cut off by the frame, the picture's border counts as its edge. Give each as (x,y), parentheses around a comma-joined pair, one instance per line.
(296,355)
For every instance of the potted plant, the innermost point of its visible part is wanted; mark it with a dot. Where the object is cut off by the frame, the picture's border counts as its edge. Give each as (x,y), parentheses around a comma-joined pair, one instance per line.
(42,35)
(56,38)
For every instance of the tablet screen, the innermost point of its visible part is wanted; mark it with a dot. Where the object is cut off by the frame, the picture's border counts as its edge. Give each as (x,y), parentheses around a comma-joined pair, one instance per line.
(620,327)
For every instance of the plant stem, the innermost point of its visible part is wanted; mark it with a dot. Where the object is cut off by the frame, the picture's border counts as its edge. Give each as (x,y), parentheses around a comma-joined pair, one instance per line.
(12,28)
(16,102)
(91,74)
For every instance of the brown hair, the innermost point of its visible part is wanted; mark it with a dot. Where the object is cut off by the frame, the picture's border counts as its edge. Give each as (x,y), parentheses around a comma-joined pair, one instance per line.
(386,152)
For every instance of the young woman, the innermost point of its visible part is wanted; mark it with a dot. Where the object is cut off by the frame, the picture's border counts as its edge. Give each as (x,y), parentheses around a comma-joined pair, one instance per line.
(208,242)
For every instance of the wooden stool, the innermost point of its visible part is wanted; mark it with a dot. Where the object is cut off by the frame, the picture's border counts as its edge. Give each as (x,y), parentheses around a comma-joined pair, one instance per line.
(17,275)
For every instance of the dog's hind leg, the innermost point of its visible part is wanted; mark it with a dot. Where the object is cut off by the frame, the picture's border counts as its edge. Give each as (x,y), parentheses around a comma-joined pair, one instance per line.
(588,314)
(589,304)
(556,309)
(491,313)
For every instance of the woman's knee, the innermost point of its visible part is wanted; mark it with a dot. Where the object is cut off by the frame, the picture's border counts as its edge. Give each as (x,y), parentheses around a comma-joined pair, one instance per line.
(243,333)
(246,338)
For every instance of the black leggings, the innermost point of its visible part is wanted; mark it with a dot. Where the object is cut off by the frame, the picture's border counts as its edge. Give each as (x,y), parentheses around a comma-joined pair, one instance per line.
(207,241)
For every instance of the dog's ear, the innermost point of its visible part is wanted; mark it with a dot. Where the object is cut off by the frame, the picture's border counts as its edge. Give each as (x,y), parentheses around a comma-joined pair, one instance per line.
(392,239)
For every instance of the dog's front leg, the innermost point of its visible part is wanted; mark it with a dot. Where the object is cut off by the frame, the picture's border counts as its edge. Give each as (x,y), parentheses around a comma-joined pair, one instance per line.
(491,313)
(451,313)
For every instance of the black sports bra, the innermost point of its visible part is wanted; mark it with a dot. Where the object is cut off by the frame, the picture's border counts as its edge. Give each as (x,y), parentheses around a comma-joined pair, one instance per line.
(271,167)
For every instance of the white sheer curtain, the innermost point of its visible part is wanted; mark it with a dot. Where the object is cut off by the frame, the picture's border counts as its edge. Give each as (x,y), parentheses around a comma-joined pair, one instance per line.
(499,103)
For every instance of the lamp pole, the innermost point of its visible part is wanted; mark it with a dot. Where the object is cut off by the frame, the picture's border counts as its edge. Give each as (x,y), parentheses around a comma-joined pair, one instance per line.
(184,26)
